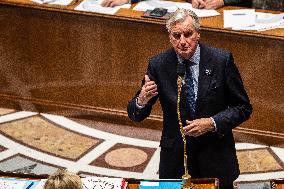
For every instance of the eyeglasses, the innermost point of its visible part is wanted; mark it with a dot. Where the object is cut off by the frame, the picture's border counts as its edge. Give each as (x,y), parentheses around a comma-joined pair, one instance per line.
(177,35)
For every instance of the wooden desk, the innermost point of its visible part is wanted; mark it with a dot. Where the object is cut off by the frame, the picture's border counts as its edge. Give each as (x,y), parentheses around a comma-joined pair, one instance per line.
(209,183)
(87,65)
(277,184)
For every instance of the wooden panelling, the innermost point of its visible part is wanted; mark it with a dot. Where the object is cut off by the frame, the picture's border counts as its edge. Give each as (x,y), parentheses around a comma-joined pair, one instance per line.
(90,65)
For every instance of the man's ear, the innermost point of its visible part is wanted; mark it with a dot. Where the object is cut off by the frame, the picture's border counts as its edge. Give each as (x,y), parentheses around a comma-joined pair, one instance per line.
(171,38)
(198,35)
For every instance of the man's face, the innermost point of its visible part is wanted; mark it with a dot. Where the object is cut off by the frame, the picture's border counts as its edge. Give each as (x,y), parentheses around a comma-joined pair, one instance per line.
(184,38)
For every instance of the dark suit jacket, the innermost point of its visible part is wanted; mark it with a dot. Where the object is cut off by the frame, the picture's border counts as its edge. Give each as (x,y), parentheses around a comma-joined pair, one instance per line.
(241,3)
(221,95)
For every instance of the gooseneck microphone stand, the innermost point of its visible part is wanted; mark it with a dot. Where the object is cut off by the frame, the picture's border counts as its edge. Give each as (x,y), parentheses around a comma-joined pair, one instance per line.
(186,178)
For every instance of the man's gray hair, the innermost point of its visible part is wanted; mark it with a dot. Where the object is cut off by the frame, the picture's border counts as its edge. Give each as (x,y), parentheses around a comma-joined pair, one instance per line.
(179,16)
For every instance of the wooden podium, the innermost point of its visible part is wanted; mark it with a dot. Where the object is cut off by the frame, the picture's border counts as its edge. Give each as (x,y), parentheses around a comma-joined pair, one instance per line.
(204,183)
(277,184)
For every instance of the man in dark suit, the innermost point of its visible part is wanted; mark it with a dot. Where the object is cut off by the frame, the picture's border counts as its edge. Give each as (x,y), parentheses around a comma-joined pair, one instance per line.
(213,102)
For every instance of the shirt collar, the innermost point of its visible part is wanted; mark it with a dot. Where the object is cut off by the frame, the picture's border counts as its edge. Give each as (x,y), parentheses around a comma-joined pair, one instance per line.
(195,58)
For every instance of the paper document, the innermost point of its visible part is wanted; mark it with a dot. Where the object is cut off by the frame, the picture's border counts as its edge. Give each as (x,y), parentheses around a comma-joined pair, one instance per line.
(103,182)
(40,184)
(11,184)
(267,21)
(198,12)
(239,18)
(152,4)
(173,6)
(248,19)
(53,2)
(14,183)
(95,6)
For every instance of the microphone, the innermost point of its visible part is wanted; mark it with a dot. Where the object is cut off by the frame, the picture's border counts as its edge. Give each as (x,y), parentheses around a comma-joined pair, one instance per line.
(181,69)
(180,81)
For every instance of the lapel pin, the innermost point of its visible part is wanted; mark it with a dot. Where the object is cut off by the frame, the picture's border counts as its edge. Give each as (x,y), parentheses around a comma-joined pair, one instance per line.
(208,72)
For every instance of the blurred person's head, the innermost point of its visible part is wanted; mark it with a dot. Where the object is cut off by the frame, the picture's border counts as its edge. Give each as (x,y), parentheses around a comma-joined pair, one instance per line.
(63,179)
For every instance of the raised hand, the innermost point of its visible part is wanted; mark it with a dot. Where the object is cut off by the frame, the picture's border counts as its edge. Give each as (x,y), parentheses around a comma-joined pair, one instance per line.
(148,91)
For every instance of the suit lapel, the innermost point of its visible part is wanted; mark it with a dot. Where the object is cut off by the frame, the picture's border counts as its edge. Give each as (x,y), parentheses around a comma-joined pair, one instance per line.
(206,71)
(171,64)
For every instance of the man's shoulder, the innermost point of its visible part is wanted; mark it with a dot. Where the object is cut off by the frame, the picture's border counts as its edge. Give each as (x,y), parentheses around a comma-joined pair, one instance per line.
(214,52)
(169,53)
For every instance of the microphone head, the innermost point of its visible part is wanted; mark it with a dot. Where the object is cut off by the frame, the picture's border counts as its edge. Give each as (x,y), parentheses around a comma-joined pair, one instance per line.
(181,69)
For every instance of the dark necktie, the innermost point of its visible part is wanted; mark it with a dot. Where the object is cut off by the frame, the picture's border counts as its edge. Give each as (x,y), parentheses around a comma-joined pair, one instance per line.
(189,88)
